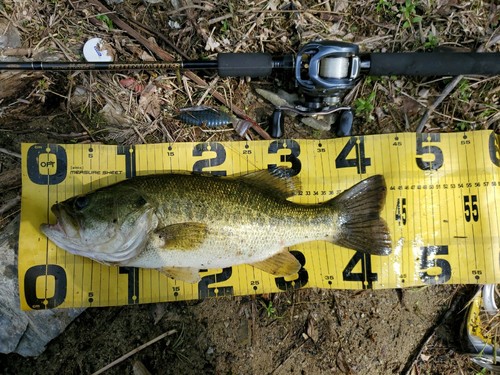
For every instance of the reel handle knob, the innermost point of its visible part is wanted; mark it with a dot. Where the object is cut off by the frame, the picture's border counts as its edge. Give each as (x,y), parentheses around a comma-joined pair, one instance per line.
(277,123)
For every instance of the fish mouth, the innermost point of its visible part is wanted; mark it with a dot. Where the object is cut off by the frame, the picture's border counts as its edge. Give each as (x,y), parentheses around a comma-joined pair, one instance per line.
(50,228)
(64,226)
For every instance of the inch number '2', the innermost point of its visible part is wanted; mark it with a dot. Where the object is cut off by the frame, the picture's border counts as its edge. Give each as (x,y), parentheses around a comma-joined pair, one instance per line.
(206,290)
(219,159)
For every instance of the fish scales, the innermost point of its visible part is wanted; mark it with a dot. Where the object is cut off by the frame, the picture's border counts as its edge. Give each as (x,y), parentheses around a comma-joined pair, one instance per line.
(239,216)
(180,223)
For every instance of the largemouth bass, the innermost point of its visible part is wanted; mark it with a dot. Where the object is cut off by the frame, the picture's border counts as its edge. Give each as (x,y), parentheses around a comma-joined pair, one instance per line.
(181,223)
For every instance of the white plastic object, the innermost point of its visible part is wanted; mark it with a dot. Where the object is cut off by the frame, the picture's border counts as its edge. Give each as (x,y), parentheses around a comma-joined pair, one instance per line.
(93,51)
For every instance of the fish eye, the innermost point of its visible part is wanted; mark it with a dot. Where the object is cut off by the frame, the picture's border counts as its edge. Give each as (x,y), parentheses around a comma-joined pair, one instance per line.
(140,202)
(81,202)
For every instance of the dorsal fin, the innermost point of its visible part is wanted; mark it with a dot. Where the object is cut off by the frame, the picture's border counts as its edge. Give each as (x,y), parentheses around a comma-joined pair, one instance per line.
(275,182)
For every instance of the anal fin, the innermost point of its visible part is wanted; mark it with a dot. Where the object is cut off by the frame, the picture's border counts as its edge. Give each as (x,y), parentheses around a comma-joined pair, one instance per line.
(188,275)
(281,264)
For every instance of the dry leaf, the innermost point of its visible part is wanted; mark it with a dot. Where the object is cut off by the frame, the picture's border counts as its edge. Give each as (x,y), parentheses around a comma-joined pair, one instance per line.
(107,49)
(340,6)
(149,102)
(212,44)
(425,357)
(114,114)
(146,56)
(131,84)
(311,330)
(411,106)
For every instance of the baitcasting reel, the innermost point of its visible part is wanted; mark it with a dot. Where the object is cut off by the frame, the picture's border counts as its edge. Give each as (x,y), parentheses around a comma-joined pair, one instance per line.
(325,72)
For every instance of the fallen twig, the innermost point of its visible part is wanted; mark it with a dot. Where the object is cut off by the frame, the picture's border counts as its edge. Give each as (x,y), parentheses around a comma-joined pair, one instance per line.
(11,153)
(9,205)
(82,125)
(455,306)
(448,89)
(136,350)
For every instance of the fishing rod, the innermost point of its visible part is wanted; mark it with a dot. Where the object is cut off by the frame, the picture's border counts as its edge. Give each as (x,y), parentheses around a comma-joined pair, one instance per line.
(324,71)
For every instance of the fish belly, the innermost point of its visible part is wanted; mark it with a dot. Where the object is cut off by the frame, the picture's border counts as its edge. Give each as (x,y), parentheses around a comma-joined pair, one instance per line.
(223,247)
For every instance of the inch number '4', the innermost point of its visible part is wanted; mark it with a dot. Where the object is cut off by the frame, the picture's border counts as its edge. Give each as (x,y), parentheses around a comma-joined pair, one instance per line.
(366,276)
(360,161)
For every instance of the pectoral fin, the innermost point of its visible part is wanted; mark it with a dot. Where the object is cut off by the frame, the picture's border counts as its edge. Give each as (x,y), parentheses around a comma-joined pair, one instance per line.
(182,236)
(281,264)
(189,275)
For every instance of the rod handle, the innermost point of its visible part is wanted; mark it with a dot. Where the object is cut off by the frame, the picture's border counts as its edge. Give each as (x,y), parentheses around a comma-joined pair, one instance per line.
(426,64)
(244,64)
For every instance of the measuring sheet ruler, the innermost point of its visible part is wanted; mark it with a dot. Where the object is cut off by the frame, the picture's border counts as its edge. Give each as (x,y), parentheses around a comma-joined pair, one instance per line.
(441,208)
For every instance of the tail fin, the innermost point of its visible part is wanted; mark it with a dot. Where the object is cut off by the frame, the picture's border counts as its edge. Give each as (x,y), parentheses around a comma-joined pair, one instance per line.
(361,227)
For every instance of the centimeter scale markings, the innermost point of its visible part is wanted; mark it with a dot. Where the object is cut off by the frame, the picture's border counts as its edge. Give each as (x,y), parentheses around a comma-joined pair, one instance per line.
(441,209)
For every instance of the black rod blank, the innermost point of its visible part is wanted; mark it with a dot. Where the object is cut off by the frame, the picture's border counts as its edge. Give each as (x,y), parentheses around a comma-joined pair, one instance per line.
(427,64)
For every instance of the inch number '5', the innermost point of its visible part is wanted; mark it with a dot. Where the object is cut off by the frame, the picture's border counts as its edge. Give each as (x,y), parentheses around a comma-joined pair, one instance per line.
(429,265)
(429,157)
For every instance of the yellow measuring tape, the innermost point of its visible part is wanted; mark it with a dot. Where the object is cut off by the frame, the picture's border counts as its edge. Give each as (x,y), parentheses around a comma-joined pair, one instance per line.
(442,210)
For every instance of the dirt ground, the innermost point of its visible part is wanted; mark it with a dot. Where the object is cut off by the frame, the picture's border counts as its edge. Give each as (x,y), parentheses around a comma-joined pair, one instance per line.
(311,332)
(409,331)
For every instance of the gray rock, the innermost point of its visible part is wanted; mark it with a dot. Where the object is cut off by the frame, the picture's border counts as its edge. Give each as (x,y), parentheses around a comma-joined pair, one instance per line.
(23,332)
